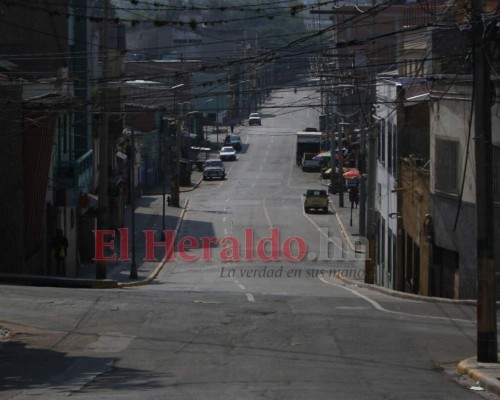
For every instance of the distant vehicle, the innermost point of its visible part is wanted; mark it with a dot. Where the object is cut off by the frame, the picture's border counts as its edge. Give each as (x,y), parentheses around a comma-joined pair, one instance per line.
(254,119)
(214,172)
(213,163)
(307,142)
(227,153)
(316,199)
(234,141)
(310,130)
(310,163)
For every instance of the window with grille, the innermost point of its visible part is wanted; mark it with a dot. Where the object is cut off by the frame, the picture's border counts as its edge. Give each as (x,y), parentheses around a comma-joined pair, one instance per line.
(446,166)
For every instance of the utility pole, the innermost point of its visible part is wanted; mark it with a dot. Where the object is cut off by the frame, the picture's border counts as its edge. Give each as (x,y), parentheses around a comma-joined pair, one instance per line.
(133,265)
(370,220)
(102,202)
(164,173)
(341,163)
(362,181)
(486,287)
(175,187)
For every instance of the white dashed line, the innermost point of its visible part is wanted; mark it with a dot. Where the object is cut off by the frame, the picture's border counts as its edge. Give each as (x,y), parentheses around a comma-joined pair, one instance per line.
(249,295)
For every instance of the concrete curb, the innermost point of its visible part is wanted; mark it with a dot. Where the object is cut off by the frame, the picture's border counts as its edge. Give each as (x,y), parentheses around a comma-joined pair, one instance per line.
(403,295)
(345,232)
(55,281)
(482,373)
(162,263)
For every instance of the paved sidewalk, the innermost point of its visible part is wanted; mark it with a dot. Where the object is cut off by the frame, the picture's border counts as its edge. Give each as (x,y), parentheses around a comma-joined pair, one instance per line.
(347,217)
(148,216)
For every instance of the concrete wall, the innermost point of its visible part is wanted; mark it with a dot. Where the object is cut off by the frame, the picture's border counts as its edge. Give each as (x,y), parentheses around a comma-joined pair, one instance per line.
(450,116)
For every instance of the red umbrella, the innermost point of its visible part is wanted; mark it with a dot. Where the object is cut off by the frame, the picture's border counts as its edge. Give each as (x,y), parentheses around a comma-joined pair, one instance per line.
(352,174)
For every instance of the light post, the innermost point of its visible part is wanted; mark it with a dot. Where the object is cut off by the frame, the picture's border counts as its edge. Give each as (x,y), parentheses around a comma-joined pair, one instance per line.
(164,189)
(206,117)
(176,181)
(164,152)
(341,164)
(133,265)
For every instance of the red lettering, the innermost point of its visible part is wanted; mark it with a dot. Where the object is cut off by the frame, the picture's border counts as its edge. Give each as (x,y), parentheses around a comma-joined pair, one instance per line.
(231,253)
(187,243)
(123,244)
(301,248)
(168,245)
(205,243)
(249,256)
(100,245)
(274,240)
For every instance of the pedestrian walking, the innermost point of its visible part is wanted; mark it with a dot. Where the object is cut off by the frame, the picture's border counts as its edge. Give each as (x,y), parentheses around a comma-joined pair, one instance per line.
(354,197)
(60,246)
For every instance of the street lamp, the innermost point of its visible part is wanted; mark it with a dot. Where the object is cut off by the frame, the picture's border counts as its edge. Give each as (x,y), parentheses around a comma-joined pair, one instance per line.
(164,155)
(341,162)
(133,265)
(206,118)
(176,181)
(164,189)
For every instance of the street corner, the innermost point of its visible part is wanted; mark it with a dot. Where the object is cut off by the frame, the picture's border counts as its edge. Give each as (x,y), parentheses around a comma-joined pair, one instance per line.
(335,277)
(198,180)
(485,375)
(155,270)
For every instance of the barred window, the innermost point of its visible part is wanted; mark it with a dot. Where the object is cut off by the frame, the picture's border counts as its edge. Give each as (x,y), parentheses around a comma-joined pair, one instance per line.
(446,166)
(496,173)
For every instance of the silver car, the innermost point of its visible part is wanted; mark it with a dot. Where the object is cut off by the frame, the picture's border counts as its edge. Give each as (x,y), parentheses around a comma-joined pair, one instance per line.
(214,172)
(213,163)
(227,153)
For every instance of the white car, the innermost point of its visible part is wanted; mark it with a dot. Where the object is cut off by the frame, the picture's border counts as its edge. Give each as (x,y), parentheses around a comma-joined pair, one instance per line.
(227,153)
(254,119)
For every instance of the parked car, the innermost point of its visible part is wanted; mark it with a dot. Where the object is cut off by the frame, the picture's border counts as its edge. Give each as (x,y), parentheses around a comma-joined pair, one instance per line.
(316,199)
(234,141)
(213,163)
(254,119)
(227,153)
(214,172)
(310,162)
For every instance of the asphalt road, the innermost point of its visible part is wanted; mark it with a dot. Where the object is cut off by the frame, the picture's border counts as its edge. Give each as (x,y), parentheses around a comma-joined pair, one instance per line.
(259,327)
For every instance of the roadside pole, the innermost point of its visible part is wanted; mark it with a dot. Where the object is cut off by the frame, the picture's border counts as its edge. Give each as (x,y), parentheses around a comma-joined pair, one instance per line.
(102,202)
(362,183)
(370,219)
(486,274)
(133,265)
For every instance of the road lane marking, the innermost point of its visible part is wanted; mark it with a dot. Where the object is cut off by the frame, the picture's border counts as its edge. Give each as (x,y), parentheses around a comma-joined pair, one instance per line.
(248,294)
(377,306)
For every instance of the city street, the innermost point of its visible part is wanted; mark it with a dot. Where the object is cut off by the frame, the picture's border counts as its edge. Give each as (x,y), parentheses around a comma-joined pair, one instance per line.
(235,318)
